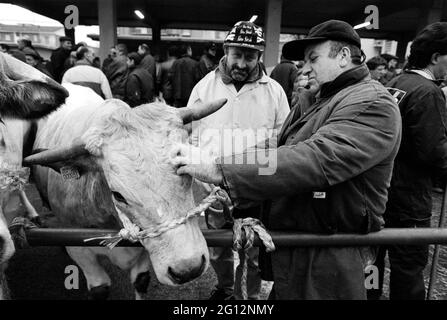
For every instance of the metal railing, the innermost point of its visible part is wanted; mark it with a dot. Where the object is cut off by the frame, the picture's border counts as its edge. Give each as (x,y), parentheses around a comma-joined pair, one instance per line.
(222,238)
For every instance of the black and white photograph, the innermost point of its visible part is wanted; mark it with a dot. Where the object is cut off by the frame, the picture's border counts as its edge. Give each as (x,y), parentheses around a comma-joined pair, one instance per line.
(223,156)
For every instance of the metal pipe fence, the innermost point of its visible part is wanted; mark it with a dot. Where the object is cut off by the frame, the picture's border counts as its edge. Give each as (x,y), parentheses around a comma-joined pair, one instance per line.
(221,238)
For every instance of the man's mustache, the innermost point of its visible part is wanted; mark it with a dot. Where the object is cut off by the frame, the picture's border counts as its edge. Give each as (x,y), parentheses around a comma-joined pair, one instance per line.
(236,68)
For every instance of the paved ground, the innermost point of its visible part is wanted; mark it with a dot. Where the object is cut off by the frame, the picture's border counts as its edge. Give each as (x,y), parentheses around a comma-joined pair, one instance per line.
(38,273)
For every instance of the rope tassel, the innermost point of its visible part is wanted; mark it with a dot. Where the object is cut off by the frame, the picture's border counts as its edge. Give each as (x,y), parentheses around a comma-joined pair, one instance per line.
(250,226)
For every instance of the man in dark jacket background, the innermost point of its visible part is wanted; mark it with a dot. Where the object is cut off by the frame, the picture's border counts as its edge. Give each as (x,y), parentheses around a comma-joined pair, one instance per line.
(139,84)
(59,56)
(164,85)
(327,173)
(148,61)
(116,72)
(208,61)
(183,76)
(422,154)
(285,74)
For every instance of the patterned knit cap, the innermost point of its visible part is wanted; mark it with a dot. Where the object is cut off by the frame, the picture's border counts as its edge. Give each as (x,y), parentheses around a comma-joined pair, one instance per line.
(247,35)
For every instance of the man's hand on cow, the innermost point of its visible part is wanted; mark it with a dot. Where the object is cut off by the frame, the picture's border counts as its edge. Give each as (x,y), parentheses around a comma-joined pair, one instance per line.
(188,159)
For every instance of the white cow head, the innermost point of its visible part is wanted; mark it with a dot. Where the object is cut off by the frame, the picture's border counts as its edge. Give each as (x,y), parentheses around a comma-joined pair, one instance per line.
(131,148)
(25,93)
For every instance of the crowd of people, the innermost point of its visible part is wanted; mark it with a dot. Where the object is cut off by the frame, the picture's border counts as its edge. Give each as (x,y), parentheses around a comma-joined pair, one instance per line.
(357,145)
(135,77)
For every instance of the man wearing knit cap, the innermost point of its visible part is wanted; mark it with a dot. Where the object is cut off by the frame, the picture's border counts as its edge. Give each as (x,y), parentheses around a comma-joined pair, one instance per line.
(333,167)
(256,104)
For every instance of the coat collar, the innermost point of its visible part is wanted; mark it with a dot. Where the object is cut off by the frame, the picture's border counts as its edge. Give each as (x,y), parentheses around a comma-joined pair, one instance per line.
(344,80)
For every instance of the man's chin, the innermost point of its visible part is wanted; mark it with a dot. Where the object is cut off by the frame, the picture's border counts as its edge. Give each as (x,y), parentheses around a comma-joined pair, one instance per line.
(239,77)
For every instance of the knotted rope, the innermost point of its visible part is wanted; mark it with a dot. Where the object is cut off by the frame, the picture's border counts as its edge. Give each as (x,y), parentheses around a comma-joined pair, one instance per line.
(17,229)
(132,232)
(249,226)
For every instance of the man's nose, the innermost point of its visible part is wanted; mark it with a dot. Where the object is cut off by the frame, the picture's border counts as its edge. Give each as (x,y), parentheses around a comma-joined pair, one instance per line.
(241,63)
(306,69)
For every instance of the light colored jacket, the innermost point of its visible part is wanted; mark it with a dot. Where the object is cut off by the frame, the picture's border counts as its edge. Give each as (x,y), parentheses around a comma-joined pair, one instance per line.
(89,76)
(256,112)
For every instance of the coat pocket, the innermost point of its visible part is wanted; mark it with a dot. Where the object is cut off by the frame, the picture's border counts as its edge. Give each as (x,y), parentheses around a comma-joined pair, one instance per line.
(323,212)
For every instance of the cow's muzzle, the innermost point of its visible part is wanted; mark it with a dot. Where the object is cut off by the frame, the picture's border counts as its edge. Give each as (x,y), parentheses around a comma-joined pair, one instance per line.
(187,271)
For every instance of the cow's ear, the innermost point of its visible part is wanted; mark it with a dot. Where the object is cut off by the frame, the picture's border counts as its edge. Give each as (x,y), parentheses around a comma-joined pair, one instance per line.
(30,99)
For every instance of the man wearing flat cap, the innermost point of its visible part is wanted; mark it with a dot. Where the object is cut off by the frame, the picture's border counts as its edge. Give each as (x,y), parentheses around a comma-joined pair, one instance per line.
(333,167)
(59,56)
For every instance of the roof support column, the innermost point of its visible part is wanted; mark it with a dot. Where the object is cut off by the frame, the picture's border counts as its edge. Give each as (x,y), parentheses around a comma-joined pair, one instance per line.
(70,33)
(273,9)
(107,26)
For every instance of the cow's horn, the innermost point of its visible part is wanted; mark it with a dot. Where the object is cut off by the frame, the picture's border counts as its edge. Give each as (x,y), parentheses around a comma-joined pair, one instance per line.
(200,110)
(55,155)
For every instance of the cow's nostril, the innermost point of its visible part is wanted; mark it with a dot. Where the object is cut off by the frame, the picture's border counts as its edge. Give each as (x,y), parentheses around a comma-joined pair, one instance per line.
(177,278)
(187,275)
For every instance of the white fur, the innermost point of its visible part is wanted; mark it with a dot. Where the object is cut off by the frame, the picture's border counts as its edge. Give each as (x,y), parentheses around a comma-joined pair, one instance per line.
(131,146)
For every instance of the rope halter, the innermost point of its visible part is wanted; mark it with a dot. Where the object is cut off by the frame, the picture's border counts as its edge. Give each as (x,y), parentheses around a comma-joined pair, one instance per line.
(132,232)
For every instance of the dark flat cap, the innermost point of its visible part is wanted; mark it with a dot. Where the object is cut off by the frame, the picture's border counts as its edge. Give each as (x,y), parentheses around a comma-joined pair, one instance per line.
(328,30)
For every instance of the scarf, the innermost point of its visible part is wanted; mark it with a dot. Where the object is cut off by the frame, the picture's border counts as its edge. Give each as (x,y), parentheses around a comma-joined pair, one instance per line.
(253,76)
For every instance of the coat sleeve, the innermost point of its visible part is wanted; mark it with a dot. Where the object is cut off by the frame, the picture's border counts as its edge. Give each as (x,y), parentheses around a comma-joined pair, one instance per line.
(355,138)
(427,116)
(133,91)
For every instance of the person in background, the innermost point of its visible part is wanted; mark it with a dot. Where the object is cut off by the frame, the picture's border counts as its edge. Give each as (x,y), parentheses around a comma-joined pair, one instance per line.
(139,83)
(377,67)
(208,61)
(148,61)
(107,61)
(18,54)
(183,76)
(4,48)
(256,103)
(84,74)
(391,67)
(163,82)
(72,59)
(59,57)
(35,60)
(25,42)
(422,154)
(285,74)
(96,62)
(116,72)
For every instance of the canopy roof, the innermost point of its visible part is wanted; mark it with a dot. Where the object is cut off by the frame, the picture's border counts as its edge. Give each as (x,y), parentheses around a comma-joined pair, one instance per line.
(398,19)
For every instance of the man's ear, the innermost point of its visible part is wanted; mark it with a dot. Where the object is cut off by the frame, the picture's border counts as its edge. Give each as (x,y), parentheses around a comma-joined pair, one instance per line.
(345,55)
(434,58)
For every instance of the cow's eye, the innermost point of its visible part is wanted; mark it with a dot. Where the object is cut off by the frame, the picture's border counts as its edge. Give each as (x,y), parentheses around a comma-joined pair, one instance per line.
(119,197)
